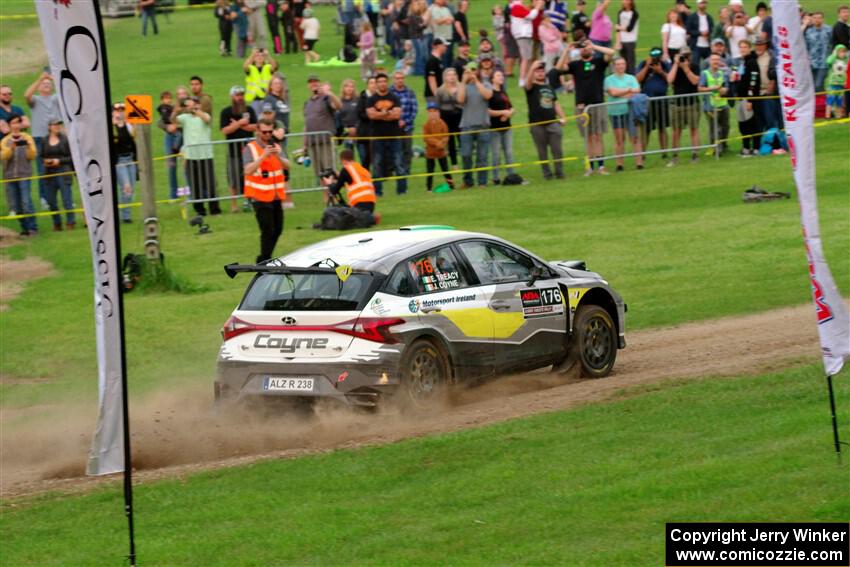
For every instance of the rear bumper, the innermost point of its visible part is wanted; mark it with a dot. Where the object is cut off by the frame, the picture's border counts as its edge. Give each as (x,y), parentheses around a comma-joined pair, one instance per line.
(352,383)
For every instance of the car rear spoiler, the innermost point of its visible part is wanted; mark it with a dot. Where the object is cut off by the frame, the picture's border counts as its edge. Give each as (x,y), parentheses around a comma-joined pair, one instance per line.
(278,267)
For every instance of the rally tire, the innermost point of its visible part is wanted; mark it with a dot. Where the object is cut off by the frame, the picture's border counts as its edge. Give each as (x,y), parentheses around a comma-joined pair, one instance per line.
(594,341)
(425,376)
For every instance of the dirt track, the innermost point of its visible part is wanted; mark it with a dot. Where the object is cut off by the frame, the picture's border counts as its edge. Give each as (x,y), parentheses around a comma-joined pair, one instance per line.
(175,434)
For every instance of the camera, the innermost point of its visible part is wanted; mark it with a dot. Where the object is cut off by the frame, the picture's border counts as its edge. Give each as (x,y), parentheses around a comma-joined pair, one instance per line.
(21,142)
(683,58)
(327,174)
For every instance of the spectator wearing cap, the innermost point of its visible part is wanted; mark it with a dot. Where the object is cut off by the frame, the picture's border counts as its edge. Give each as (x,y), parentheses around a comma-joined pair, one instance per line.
(56,154)
(486,68)
(237,122)
(434,68)
(685,109)
(436,138)
(767,110)
(653,76)
(462,59)
(17,151)
(198,154)
(718,47)
(124,148)
(7,109)
(44,104)
(485,49)
(320,123)
(699,26)
(268,114)
(409,109)
(715,80)
(817,35)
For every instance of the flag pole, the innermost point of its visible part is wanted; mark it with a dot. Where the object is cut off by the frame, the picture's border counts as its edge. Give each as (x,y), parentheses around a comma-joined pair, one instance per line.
(835,437)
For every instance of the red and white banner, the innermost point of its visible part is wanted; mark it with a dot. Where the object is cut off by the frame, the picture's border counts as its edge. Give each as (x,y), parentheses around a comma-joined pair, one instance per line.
(73,38)
(797,98)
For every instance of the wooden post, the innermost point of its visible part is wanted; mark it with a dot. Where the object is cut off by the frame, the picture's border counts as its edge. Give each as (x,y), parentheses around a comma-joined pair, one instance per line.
(145,157)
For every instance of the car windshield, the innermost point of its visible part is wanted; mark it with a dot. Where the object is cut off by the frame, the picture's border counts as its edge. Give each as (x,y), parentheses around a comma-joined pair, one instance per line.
(306,292)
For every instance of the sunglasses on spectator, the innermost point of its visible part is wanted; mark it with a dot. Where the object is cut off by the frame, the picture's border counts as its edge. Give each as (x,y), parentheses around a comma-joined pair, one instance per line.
(264,132)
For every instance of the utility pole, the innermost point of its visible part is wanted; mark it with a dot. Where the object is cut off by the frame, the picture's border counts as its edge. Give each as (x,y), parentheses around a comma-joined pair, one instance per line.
(145,165)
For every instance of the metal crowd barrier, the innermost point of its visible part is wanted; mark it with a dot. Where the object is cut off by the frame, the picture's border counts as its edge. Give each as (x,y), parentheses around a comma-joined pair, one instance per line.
(221,177)
(679,121)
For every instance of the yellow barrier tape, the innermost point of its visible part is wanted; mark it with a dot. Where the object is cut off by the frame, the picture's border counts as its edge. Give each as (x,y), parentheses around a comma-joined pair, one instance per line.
(476,169)
(79,210)
(48,175)
(416,136)
(816,125)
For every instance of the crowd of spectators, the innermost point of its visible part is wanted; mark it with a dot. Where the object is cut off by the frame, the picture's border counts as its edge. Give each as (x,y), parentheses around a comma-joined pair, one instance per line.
(714,63)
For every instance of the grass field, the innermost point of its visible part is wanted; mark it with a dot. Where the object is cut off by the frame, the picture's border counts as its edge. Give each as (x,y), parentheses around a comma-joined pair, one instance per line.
(588,486)
(592,486)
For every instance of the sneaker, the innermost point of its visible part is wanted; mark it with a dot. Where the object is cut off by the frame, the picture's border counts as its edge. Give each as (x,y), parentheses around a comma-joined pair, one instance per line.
(70,225)
(497,182)
(694,157)
(745,153)
(57,228)
(617,169)
(44,205)
(24,233)
(640,166)
(288,205)
(522,83)
(588,172)
(673,162)
(603,171)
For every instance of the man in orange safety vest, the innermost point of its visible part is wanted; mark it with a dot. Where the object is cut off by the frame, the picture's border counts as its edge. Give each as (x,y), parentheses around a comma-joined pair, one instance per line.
(266,173)
(356,179)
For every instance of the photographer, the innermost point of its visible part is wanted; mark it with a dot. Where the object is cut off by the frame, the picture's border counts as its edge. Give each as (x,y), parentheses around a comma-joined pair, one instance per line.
(198,153)
(474,96)
(319,123)
(17,150)
(684,76)
(714,80)
(124,148)
(259,68)
(359,189)
(266,173)
(545,112)
(652,75)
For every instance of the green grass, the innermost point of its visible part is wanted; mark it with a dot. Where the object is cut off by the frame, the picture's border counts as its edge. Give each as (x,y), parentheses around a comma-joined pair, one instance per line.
(677,243)
(589,486)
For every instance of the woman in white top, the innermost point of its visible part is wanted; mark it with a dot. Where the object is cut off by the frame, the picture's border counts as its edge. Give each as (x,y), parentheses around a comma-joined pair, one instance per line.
(627,28)
(673,36)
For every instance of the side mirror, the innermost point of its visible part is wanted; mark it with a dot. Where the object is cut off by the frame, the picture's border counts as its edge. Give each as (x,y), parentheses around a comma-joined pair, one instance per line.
(536,273)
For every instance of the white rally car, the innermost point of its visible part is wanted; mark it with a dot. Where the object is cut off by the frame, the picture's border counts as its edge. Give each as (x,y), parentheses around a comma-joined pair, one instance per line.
(406,313)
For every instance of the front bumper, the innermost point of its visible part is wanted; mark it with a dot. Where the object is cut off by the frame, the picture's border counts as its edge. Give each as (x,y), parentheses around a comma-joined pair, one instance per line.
(352,383)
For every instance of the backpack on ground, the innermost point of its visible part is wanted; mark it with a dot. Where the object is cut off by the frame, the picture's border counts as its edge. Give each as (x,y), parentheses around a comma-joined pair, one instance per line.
(513,179)
(338,217)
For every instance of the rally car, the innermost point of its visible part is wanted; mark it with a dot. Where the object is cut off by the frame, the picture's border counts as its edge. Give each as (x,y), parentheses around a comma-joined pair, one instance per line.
(403,314)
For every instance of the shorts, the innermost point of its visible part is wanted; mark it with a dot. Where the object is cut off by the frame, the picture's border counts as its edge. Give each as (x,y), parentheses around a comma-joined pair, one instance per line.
(619,121)
(526,47)
(659,114)
(834,95)
(511,47)
(597,122)
(309,43)
(686,116)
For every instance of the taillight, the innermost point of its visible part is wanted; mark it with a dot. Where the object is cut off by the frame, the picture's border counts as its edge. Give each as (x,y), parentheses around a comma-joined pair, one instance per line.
(373,329)
(235,327)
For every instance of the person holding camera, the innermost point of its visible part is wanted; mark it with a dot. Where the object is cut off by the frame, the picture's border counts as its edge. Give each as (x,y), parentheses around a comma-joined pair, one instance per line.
(474,96)
(715,80)
(259,68)
(198,154)
(266,174)
(17,151)
(124,148)
(653,77)
(320,123)
(684,77)
(357,181)
(545,112)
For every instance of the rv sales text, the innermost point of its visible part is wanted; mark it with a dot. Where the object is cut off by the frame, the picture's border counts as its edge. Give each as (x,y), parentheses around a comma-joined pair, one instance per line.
(743,534)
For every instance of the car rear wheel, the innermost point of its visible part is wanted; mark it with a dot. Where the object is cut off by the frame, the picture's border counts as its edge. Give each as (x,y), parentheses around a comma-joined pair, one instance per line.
(425,373)
(594,341)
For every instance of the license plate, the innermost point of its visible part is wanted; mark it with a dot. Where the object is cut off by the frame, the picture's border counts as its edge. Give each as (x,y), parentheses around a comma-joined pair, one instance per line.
(277,384)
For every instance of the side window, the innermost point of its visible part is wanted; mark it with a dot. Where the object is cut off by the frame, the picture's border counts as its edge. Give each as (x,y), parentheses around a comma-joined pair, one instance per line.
(399,282)
(494,263)
(437,270)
